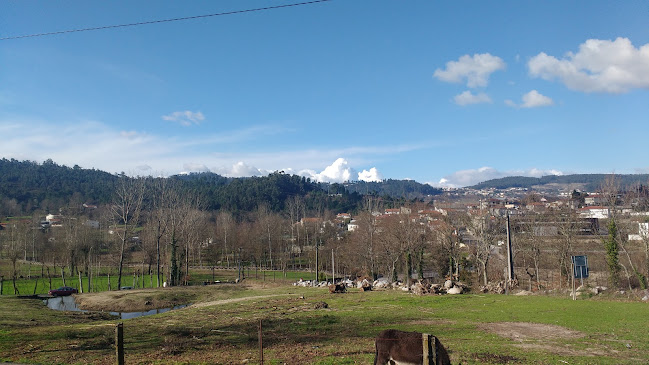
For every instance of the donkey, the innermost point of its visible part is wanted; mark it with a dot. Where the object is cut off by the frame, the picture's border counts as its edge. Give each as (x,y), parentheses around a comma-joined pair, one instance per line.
(396,347)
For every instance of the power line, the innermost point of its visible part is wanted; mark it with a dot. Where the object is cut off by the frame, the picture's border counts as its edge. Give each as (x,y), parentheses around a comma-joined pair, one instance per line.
(162,20)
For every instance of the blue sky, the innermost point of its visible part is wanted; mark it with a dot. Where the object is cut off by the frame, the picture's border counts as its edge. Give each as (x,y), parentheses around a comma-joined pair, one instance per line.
(450,93)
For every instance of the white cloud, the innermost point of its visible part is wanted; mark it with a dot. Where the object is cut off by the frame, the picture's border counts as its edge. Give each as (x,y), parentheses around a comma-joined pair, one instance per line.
(91,144)
(339,171)
(599,66)
(467,98)
(532,99)
(474,69)
(195,167)
(475,176)
(185,118)
(373,175)
(240,169)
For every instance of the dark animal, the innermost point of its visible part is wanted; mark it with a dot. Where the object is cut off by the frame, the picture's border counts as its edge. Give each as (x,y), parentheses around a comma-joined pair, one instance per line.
(396,347)
(337,288)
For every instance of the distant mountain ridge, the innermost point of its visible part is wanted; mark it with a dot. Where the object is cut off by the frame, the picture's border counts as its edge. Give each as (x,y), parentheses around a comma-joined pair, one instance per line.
(590,182)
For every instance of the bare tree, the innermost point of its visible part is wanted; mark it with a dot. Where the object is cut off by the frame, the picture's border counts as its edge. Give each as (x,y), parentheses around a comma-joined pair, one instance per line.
(568,225)
(125,211)
(181,221)
(224,227)
(401,235)
(159,194)
(530,232)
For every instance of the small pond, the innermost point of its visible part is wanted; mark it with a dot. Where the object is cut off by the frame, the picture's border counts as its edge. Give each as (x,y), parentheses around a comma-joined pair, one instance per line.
(68,304)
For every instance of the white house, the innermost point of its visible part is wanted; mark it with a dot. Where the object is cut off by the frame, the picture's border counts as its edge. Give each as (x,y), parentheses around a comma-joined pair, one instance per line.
(598,212)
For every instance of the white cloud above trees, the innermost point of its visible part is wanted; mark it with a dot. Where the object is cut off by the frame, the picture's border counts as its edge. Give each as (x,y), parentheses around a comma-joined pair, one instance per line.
(340,171)
(599,66)
(475,70)
(371,175)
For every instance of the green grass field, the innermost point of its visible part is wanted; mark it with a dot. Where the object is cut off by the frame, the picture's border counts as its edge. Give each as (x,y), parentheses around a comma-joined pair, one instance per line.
(221,327)
(41,285)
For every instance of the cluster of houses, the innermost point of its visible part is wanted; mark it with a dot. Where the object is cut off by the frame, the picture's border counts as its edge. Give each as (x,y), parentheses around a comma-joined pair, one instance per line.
(587,213)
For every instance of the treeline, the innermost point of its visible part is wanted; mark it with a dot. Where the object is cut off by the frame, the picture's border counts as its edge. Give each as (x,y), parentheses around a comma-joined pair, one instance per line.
(408,189)
(591,182)
(27,186)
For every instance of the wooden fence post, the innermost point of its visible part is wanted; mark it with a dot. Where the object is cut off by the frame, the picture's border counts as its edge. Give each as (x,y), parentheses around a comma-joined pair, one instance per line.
(429,347)
(119,343)
(261,346)
(434,349)
(425,345)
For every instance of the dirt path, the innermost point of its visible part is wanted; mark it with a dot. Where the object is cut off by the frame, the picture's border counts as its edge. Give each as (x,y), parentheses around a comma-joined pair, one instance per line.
(236,300)
(147,299)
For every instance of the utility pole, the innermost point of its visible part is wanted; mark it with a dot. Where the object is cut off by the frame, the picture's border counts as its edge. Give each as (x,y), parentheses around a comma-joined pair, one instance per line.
(510,256)
(317,279)
(333,268)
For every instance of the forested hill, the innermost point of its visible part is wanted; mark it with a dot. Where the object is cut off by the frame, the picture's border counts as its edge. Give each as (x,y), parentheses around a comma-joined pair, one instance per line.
(590,182)
(240,195)
(27,186)
(393,188)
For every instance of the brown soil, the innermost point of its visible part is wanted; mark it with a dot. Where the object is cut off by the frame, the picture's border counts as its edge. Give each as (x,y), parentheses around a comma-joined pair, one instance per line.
(147,299)
(136,300)
(543,337)
(525,331)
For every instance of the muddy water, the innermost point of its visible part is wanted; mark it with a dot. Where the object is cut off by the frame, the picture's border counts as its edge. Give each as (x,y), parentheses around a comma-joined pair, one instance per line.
(68,304)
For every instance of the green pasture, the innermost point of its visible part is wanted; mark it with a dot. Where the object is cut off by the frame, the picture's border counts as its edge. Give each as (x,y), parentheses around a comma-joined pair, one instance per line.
(223,326)
(30,281)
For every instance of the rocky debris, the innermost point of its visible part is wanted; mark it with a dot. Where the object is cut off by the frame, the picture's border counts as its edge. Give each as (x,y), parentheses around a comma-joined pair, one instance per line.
(365,285)
(337,288)
(419,289)
(449,287)
(494,288)
(381,283)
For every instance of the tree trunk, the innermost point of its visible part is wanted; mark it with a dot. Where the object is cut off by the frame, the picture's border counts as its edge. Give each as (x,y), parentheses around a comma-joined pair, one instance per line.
(121,261)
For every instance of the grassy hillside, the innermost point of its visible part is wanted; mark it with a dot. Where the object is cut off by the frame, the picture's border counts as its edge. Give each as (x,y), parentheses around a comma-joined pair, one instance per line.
(222,327)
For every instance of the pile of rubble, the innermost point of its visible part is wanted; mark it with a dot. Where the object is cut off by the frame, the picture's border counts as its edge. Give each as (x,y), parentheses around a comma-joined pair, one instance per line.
(449,287)
(419,287)
(498,288)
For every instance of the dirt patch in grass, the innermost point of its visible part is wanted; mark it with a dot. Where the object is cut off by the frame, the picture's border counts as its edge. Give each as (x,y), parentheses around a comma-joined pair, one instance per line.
(235,300)
(432,322)
(541,337)
(526,331)
(146,299)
